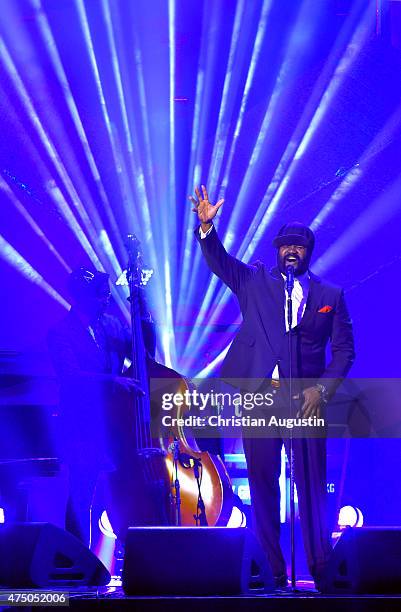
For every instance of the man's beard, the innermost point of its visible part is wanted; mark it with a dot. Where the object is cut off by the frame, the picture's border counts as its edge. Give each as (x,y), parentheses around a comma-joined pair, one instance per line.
(300,266)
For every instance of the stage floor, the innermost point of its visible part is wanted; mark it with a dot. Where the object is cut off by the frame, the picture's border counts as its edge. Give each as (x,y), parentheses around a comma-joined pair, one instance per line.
(305,600)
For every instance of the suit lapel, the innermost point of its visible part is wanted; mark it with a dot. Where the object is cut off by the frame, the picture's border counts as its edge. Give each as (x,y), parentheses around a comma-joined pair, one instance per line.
(272,307)
(278,296)
(273,321)
(313,298)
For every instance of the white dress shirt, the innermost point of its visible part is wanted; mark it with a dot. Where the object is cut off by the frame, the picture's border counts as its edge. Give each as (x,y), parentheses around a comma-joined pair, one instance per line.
(299,298)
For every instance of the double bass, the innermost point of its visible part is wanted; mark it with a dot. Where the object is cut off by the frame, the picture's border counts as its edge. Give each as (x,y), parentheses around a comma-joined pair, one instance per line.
(162,480)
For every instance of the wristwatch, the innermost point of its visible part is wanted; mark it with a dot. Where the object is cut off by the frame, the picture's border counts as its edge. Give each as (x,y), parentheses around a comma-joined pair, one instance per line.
(324,394)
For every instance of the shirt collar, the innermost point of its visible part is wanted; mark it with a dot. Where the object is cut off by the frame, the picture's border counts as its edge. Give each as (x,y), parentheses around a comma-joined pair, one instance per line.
(303,279)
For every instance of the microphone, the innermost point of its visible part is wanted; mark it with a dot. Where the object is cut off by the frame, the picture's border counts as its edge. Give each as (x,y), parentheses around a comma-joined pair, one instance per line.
(174,449)
(289,285)
(186,461)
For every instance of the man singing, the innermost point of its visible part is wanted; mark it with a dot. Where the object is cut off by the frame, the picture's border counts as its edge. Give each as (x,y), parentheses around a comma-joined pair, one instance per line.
(260,351)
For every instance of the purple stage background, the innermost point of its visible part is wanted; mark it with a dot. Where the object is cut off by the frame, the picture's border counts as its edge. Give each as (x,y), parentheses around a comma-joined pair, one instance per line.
(112,110)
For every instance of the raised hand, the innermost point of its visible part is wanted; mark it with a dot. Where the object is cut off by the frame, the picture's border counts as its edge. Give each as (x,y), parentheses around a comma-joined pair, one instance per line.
(206,211)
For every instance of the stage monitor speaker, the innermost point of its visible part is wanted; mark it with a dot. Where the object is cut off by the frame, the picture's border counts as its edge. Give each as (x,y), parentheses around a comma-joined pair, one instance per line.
(194,561)
(42,555)
(366,560)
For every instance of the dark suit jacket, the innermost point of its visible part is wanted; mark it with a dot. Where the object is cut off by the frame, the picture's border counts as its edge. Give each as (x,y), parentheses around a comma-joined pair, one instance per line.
(73,350)
(262,341)
(88,406)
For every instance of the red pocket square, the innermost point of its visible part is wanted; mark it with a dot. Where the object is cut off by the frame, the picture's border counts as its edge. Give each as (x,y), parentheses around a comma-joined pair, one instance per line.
(325,309)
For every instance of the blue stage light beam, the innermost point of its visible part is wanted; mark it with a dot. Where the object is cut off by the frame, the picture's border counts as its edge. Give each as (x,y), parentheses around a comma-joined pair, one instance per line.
(226,104)
(220,142)
(230,235)
(142,103)
(117,75)
(153,228)
(54,154)
(205,96)
(135,158)
(347,184)
(143,111)
(332,76)
(51,46)
(390,130)
(63,208)
(357,43)
(194,170)
(141,163)
(293,61)
(31,221)
(211,367)
(119,163)
(56,195)
(223,125)
(172,169)
(290,56)
(167,337)
(97,242)
(144,221)
(134,165)
(54,157)
(169,212)
(15,259)
(61,204)
(318,104)
(377,214)
(260,34)
(109,251)
(165,234)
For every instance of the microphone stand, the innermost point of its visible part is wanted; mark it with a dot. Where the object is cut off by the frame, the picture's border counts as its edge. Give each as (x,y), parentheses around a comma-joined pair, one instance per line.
(189,462)
(290,287)
(176,485)
(200,516)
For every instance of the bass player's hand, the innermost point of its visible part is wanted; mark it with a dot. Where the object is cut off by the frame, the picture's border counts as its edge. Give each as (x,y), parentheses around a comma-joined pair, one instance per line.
(129,384)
